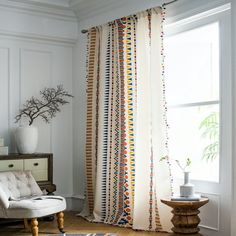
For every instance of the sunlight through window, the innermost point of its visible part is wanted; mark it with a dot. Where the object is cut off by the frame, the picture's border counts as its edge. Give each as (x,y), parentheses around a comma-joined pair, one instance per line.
(192,80)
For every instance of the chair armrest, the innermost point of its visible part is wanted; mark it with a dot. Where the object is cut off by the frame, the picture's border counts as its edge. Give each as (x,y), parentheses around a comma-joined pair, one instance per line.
(3,198)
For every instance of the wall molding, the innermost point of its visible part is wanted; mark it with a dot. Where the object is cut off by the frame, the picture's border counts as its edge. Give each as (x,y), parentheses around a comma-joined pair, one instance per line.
(79,196)
(39,8)
(74,196)
(50,54)
(38,37)
(8,92)
(74,203)
(7,51)
(205,194)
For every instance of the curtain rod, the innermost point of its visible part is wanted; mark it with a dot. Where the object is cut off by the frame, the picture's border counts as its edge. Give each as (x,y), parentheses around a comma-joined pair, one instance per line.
(84,31)
(168,3)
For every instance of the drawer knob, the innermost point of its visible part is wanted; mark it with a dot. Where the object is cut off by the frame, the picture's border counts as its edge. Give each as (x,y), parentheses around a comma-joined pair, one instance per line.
(36,164)
(11,165)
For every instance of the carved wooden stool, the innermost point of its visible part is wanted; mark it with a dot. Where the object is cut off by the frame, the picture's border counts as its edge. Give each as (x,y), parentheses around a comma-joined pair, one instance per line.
(185,215)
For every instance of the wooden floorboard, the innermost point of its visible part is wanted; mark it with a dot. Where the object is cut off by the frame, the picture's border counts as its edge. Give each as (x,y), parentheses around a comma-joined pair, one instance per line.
(73,224)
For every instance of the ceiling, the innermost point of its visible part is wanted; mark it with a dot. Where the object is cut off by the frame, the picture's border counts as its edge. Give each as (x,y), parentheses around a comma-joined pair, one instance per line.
(87,8)
(82,9)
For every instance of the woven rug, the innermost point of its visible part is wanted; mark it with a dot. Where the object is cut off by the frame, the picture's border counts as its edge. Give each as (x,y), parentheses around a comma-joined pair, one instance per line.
(98,234)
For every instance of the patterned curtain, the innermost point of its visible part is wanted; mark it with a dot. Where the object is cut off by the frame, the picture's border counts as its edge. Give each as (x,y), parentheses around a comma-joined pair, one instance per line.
(126,123)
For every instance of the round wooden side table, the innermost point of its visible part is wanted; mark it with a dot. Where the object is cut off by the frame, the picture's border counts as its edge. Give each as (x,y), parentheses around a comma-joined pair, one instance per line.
(185,215)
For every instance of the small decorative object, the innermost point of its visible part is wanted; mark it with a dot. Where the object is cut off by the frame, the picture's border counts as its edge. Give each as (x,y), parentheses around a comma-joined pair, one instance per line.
(26,139)
(187,189)
(3,149)
(34,108)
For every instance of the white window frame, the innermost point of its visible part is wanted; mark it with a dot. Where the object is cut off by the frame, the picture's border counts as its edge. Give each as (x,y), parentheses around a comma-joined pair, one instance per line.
(233,216)
(193,104)
(222,15)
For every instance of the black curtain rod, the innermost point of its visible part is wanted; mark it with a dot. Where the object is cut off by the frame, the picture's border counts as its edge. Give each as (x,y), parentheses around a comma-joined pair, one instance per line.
(84,31)
(168,3)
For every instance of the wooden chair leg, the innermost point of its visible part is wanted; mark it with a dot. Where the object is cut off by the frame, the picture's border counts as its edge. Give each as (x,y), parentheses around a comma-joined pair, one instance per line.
(60,221)
(34,227)
(26,224)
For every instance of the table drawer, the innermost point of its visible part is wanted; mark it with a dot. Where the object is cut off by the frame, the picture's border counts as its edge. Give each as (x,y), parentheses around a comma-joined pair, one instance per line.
(8,165)
(36,164)
(40,165)
(40,175)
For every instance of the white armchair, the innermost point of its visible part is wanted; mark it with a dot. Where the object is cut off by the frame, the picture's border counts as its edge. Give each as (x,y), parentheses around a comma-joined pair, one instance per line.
(21,198)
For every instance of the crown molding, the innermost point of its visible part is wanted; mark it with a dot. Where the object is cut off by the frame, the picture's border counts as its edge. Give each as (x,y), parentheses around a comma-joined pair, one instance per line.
(39,8)
(38,38)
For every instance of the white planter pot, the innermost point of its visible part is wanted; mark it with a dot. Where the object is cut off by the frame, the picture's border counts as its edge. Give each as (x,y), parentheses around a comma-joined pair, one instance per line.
(187,189)
(26,139)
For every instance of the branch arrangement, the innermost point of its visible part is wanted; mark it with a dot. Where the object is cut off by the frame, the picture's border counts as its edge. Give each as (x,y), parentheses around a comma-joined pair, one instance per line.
(181,166)
(46,107)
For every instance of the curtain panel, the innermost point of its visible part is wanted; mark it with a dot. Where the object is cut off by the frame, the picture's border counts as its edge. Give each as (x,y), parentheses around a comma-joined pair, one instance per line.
(126,124)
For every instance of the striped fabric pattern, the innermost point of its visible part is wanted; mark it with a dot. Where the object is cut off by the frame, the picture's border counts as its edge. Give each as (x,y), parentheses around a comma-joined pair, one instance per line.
(114,124)
(92,108)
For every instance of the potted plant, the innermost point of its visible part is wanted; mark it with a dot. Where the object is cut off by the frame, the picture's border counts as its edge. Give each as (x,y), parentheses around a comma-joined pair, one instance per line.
(34,108)
(187,189)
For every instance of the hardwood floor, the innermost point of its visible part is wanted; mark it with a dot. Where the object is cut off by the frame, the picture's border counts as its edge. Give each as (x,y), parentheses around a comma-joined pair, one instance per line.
(73,224)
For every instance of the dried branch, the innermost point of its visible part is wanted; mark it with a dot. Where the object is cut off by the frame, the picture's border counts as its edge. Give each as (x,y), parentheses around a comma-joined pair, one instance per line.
(46,108)
(181,166)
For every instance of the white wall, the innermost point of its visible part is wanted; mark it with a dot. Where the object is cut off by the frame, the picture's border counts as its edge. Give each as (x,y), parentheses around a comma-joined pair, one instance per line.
(35,52)
(79,115)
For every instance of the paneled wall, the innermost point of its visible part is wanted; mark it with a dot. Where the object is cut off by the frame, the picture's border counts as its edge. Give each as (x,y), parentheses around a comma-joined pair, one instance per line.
(34,56)
(25,69)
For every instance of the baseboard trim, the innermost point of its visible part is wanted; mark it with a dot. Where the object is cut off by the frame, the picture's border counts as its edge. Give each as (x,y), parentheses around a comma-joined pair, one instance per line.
(79,196)
(74,202)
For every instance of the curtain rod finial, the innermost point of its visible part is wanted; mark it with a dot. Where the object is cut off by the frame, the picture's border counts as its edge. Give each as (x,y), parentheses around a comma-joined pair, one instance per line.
(84,31)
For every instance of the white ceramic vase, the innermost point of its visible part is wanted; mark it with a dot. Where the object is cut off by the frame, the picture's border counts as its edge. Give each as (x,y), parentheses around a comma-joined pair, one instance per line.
(26,139)
(187,189)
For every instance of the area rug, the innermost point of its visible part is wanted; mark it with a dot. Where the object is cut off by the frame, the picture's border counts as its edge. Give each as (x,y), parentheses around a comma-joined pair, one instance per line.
(98,234)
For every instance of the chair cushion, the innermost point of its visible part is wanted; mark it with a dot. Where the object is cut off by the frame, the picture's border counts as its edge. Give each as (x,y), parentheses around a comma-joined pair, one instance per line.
(35,207)
(18,184)
(21,197)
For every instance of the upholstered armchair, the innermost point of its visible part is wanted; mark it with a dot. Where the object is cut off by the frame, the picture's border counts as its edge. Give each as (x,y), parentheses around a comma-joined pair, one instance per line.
(21,198)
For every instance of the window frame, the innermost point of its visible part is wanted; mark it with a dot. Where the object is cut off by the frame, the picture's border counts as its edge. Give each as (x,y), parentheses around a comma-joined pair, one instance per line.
(203,103)
(221,15)
(222,190)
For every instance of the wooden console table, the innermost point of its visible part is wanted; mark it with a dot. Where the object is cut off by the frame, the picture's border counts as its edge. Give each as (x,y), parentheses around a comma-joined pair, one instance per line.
(185,216)
(40,164)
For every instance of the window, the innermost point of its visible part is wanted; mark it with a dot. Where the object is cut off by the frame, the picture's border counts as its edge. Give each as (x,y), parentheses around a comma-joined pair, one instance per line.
(192,81)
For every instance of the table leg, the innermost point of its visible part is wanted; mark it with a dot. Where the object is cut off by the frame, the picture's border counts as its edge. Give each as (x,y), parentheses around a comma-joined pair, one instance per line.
(185,220)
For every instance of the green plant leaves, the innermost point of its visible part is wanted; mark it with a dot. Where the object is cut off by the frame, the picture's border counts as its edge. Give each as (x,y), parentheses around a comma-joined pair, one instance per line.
(210,130)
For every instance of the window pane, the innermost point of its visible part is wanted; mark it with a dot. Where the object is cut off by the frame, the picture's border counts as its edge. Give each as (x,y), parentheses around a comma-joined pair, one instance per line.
(194,134)
(192,65)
